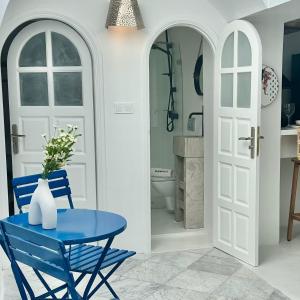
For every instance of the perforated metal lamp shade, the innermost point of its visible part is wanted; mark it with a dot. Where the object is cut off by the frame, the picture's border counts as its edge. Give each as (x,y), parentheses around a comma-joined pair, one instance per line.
(124,15)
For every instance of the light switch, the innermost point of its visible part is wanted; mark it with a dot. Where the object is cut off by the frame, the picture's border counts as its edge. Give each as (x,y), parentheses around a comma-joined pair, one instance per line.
(124,107)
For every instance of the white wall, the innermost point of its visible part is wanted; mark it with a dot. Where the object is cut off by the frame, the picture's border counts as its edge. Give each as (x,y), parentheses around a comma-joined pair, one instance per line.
(125,67)
(270,25)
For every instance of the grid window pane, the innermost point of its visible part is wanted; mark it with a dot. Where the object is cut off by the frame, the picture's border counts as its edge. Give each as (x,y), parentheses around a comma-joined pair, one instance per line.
(33,53)
(244,90)
(34,89)
(228,52)
(63,51)
(227,90)
(68,88)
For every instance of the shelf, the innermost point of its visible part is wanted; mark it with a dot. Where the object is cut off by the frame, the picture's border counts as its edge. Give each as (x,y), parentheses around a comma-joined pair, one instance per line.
(290,131)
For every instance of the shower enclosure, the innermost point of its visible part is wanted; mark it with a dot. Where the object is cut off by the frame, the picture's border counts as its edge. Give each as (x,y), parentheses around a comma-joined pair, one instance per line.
(166,100)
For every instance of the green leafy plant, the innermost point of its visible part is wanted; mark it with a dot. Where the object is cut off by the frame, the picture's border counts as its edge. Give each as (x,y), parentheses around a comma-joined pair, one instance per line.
(59,149)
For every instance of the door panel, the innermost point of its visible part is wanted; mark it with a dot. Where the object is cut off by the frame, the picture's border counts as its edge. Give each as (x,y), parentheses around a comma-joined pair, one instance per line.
(237,117)
(50,83)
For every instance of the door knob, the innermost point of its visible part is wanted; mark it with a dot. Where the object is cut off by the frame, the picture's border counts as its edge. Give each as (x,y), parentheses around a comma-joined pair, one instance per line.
(249,138)
(252,141)
(15,138)
(18,135)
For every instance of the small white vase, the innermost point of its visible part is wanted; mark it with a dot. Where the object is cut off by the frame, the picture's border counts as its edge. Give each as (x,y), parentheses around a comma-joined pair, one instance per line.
(42,209)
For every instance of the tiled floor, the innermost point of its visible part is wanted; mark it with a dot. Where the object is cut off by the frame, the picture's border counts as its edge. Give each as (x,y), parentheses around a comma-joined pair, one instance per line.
(280,264)
(186,275)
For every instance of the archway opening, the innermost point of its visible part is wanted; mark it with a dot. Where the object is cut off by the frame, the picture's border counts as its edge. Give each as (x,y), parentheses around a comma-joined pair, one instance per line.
(181,122)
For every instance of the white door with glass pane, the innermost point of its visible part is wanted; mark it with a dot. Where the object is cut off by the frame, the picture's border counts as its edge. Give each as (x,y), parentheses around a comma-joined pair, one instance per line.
(50,84)
(237,137)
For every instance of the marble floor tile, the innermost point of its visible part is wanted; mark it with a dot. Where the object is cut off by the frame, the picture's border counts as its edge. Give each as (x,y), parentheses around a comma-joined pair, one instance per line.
(170,293)
(125,267)
(130,289)
(201,251)
(243,288)
(153,272)
(185,275)
(277,295)
(216,264)
(217,253)
(179,259)
(197,281)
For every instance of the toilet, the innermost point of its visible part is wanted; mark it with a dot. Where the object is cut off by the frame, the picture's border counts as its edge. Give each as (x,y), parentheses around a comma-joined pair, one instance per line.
(165,188)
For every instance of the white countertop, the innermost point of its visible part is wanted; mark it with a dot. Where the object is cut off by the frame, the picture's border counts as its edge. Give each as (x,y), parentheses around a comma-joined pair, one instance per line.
(288,131)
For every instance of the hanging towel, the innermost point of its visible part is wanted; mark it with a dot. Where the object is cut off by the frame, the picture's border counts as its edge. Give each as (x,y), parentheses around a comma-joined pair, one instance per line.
(158,172)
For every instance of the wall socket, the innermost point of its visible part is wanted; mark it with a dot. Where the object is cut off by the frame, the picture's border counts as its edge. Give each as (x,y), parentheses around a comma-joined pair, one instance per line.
(124,107)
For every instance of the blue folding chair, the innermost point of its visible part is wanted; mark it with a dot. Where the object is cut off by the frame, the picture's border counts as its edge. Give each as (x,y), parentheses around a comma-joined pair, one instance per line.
(43,254)
(25,186)
(84,259)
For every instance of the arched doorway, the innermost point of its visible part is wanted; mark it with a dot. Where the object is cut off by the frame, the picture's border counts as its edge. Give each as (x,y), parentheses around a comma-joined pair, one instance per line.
(178,49)
(50,82)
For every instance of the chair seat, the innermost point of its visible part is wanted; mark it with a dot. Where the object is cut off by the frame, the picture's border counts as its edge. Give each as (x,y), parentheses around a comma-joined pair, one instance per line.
(84,258)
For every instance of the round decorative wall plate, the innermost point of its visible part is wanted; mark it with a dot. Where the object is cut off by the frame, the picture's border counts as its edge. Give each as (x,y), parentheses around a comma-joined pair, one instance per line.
(270,86)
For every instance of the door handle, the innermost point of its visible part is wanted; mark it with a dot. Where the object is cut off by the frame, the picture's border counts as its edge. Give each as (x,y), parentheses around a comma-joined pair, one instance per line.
(15,138)
(252,141)
(259,138)
(249,138)
(18,135)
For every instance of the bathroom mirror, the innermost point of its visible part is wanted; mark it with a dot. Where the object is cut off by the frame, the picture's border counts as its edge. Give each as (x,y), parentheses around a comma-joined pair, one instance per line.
(198,76)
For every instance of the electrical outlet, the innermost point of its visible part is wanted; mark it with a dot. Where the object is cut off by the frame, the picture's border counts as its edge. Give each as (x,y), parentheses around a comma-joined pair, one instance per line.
(124,107)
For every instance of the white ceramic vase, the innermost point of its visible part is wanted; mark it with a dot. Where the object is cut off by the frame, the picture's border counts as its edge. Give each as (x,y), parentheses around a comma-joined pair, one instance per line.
(42,209)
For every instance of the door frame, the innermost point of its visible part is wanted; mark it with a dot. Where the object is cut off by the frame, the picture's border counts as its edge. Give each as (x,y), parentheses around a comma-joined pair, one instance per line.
(212,40)
(95,49)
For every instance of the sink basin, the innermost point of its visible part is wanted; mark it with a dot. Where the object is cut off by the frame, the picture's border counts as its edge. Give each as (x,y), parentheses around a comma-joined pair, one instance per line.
(188,146)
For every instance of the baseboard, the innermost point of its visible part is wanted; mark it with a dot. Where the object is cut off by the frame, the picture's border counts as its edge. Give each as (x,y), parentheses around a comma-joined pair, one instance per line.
(181,241)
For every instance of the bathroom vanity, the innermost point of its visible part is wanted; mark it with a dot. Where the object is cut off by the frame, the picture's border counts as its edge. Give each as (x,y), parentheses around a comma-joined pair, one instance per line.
(189,167)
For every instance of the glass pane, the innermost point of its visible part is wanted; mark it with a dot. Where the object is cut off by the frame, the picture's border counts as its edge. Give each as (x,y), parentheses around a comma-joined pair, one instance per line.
(34,89)
(33,53)
(68,89)
(227,90)
(244,51)
(244,90)
(228,52)
(64,52)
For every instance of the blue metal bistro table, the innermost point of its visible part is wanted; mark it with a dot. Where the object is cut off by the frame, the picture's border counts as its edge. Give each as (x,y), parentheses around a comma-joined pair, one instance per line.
(75,228)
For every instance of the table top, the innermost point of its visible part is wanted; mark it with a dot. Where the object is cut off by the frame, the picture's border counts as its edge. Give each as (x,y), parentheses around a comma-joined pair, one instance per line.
(77,226)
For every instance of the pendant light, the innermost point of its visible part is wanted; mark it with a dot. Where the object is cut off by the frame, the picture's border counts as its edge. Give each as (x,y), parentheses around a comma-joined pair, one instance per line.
(124,15)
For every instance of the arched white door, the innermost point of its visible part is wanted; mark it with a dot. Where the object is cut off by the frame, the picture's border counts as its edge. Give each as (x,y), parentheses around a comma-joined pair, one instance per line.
(236,141)
(50,84)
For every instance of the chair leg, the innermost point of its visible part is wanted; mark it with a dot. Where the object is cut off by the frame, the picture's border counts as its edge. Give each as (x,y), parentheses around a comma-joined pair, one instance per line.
(109,286)
(45,284)
(104,281)
(293,201)
(19,281)
(73,292)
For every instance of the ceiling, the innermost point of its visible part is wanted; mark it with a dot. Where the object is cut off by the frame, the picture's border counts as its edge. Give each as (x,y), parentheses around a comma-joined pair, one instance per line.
(233,9)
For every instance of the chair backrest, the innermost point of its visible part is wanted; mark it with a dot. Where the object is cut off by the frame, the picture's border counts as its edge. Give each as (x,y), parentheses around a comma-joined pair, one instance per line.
(25,186)
(36,250)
